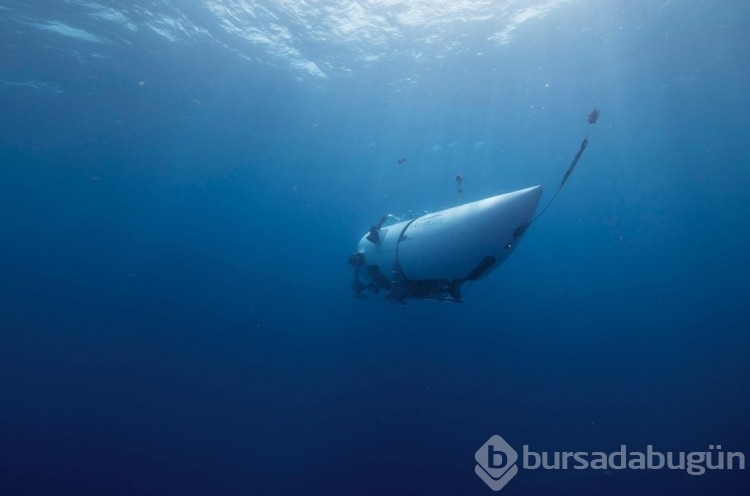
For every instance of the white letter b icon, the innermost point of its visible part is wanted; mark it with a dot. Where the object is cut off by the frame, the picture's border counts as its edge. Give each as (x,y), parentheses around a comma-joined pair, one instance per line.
(496,463)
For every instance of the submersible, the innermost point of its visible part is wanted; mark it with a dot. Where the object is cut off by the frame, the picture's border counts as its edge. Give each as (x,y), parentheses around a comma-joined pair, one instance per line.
(432,256)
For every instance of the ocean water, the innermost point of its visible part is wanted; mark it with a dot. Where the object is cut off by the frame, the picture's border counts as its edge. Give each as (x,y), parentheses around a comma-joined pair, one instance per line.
(183,183)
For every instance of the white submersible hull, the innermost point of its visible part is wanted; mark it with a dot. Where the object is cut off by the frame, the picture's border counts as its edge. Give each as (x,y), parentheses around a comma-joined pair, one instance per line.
(433,255)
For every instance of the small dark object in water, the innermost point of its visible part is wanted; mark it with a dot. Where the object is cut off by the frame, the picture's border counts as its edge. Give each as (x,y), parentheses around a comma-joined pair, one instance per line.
(459,183)
(401,161)
(594,116)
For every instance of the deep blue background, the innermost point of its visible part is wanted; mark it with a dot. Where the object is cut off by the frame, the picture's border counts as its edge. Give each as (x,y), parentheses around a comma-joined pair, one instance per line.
(176,215)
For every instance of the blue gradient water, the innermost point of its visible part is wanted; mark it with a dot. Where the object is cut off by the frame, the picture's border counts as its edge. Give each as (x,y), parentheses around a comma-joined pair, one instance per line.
(183,184)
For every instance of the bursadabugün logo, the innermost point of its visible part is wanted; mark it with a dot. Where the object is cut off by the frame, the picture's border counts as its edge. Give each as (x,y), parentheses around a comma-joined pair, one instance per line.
(496,461)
